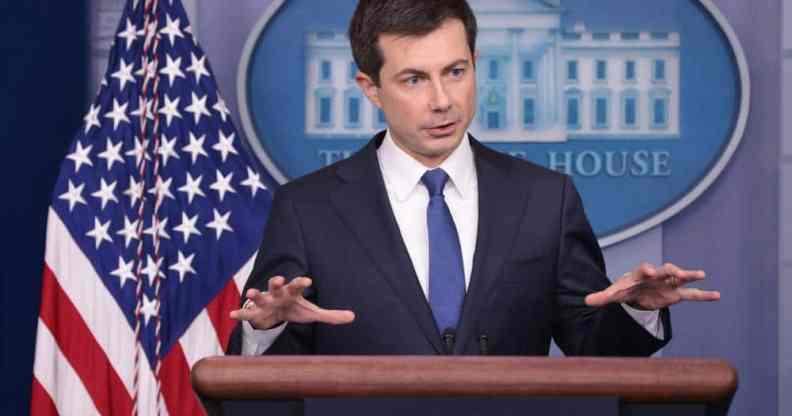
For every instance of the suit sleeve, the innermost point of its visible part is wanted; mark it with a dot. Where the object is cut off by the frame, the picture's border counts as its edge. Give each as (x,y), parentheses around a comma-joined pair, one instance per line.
(579,329)
(282,253)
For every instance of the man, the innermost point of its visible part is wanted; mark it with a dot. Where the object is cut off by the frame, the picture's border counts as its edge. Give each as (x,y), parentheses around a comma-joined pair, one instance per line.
(427,242)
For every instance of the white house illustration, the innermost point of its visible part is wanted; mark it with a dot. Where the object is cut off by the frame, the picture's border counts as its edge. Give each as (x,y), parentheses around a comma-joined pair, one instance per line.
(537,81)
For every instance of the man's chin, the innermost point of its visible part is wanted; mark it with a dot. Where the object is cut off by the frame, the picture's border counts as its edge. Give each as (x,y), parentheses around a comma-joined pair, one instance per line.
(441,147)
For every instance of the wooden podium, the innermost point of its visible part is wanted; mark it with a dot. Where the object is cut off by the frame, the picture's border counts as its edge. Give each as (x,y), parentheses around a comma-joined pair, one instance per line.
(412,385)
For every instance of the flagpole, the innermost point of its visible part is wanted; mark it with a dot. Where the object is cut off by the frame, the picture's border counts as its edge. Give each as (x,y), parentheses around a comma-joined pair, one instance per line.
(150,60)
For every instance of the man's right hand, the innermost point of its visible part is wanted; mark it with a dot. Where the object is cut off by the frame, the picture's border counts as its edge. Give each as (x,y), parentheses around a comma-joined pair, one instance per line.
(285,303)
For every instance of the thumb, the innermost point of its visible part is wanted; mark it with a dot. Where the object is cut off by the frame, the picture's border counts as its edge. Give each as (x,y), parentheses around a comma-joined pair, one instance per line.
(597,299)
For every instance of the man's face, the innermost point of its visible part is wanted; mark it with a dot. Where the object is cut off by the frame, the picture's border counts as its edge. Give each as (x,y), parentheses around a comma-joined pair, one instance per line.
(427,90)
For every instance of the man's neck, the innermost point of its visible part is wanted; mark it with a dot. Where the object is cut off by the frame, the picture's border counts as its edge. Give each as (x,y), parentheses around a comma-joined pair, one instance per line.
(430,162)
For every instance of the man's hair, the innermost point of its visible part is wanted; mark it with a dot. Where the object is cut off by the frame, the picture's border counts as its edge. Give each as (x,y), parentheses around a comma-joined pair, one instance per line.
(401,17)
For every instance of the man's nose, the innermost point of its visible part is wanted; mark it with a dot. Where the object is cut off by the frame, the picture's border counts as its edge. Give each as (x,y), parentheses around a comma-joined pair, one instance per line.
(440,101)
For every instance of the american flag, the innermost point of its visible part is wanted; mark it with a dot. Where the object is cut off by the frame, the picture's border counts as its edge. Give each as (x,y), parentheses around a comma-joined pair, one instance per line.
(154,223)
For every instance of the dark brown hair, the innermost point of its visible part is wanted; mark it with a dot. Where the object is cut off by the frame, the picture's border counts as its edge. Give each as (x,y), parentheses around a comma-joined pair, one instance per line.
(401,17)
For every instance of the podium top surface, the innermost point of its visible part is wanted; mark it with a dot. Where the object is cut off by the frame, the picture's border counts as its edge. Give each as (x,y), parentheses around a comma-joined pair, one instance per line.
(631,379)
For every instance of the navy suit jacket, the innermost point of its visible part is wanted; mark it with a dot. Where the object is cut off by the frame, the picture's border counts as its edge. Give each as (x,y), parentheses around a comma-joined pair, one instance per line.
(536,259)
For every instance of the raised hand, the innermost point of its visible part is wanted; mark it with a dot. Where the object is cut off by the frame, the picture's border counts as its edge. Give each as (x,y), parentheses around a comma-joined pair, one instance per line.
(284,302)
(651,288)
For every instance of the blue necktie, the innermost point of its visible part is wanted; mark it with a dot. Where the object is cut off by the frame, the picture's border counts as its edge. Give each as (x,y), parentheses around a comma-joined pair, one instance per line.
(446,275)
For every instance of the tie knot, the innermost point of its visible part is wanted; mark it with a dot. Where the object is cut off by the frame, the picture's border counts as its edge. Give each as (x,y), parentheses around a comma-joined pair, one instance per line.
(435,180)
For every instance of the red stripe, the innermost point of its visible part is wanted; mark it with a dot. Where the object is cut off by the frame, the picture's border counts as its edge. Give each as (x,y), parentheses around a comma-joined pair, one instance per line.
(81,349)
(41,403)
(219,308)
(180,399)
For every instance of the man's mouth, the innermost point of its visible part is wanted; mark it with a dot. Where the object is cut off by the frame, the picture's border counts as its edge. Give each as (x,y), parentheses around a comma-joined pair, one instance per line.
(443,129)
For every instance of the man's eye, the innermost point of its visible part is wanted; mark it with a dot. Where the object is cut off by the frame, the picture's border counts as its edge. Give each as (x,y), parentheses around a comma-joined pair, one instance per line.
(457,72)
(412,80)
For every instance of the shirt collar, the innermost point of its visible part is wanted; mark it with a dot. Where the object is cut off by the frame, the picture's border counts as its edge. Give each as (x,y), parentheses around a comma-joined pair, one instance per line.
(402,172)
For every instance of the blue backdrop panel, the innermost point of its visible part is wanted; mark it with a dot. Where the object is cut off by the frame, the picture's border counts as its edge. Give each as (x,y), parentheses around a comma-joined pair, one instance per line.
(43,45)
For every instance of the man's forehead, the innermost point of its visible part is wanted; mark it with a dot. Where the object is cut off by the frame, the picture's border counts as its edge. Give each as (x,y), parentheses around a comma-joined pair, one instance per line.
(446,43)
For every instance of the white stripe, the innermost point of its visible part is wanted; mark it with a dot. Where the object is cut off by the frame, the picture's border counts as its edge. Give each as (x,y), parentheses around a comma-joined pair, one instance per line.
(147,384)
(200,340)
(58,378)
(242,275)
(98,309)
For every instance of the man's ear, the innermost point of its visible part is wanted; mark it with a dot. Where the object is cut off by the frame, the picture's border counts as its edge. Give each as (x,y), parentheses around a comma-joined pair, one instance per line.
(369,88)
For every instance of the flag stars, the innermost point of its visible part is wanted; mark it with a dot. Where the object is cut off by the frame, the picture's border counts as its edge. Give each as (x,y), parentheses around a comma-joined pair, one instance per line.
(73,195)
(198,107)
(187,227)
(198,68)
(92,118)
(149,309)
(192,187)
(170,109)
(220,223)
(161,189)
(221,107)
(157,229)
(106,192)
(172,69)
(112,153)
(124,271)
(130,34)
(139,152)
(100,232)
(225,145)
(183,265)
(80,156)
(147,69)
(124,74)
(223,184)
(134,191)
(195,148)
(129,232)
(152,269)
(118,114)
(166,150)
(172,30)
(253,181)
(144,107)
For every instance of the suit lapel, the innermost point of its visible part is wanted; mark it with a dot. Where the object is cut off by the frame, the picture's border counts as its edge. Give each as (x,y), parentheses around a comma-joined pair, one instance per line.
(500,211)
(362,203)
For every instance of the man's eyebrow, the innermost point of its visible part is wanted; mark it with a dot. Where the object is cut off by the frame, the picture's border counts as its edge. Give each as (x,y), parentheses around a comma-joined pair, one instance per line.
(410,71)
(415,71)
(456,63)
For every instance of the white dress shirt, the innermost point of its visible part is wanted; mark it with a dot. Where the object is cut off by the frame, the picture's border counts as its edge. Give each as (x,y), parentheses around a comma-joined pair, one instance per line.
(409,198)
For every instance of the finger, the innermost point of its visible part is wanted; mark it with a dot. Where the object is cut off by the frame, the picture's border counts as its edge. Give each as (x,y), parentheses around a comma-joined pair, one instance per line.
(698,295)
(597,299)
(335,316)
(275,283)
(307,311)
(261,299)
(646,271)
(298,285)
(687,276)
(252,293)
(680,276)
(241,314)
(671,269)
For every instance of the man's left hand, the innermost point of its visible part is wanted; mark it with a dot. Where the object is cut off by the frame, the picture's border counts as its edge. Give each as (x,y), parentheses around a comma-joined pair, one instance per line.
(651,288)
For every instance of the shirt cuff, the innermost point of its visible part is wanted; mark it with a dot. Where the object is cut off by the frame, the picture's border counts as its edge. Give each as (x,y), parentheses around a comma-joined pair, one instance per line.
(258,341)
(650,320)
